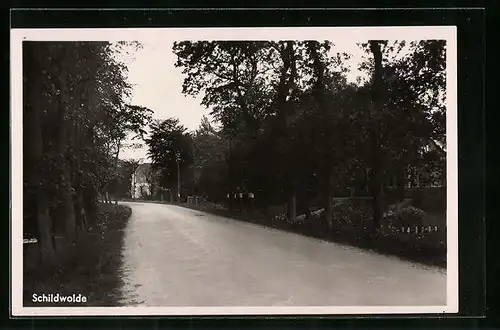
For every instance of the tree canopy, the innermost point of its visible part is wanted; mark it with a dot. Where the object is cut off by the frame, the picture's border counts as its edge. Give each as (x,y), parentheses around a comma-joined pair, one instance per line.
(76,115)
(169,143)
(292,125)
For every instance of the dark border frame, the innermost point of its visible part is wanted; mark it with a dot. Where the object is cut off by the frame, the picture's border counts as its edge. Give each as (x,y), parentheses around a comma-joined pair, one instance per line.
(471,143)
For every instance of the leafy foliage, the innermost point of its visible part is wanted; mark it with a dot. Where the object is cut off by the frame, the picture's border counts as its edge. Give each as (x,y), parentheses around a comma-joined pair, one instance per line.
(76,117)
(291,123)
(169,143)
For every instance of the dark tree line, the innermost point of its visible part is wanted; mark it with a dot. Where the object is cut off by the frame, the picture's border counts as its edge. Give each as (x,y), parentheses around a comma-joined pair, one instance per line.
(293,130)
(75,121)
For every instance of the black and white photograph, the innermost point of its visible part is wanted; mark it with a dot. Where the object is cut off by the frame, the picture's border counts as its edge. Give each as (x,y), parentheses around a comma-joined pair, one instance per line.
(219,171)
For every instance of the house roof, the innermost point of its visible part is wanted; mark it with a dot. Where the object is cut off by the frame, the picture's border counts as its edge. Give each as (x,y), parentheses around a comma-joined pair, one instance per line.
(438,145)
(144,166)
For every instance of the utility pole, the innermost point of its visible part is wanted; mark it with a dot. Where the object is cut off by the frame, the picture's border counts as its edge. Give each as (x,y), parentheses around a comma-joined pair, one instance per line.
(133,186)
(178,159)
(230,175)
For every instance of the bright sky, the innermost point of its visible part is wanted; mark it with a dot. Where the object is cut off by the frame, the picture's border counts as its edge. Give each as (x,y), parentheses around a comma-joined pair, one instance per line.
(158,85)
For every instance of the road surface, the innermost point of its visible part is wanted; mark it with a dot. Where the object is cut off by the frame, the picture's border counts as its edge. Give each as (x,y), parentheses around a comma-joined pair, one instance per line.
(175,256)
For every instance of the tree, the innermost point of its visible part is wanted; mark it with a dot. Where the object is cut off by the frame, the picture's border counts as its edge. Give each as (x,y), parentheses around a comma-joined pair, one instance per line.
(408,87)
(376,170)
(74,95)
(255,91)
(209,163)
(231,76)
(227,73)
(34,175)
(168,139)
(327,116)
(293,126)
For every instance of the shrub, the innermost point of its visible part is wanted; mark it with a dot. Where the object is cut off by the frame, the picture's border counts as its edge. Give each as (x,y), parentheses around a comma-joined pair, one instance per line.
(410,216)
(418,241)
(351,213)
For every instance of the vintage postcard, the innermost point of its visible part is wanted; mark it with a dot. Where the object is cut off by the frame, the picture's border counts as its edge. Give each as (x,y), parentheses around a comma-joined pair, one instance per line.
(234,171)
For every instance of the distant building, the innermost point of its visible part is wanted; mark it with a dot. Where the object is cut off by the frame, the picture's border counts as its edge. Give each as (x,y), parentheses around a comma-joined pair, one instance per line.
(425,176)
(140,186)
(430,174)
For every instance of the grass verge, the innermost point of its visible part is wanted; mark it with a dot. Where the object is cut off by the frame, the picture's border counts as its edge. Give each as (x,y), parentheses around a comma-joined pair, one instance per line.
(89,268)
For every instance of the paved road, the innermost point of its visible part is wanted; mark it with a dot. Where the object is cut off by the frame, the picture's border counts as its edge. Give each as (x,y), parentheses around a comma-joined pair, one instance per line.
(181,257)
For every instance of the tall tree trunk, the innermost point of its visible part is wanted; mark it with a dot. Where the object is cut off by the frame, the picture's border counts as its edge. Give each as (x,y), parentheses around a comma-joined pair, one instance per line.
(89,192)
(89,195)
(69,209)
(400,182)
(67,190)
(118,145)
(288,75)
(46,239)
(377,195)
(80,217)
(320,91)
(377,175)
(34,120)
(292,205)
(115,181)
(80,214)
(307,204)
